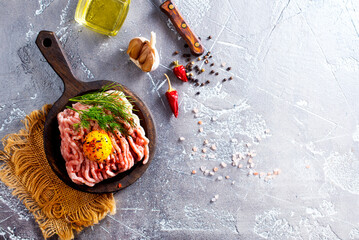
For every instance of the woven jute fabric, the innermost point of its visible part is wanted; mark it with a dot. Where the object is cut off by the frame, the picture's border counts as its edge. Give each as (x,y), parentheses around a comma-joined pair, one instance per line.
(57,208)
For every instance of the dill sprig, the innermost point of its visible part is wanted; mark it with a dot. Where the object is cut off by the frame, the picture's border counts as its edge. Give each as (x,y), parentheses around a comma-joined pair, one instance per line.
(101,103)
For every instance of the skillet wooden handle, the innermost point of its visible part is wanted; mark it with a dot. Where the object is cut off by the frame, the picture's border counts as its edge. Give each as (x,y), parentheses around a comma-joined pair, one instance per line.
(170,9)
(50,47)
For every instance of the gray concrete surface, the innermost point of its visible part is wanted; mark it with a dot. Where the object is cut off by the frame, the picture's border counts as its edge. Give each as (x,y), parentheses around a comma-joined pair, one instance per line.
(295,65)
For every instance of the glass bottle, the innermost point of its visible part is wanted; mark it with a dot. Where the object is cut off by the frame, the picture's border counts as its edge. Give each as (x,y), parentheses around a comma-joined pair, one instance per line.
(103,16)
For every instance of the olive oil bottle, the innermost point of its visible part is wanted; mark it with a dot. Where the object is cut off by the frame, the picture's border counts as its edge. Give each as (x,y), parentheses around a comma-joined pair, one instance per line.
(103,16)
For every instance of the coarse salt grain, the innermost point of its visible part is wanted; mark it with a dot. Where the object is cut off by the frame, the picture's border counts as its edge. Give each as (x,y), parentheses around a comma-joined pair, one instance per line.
(234,140)
(233,182)
(204,150)
(219,178)
(200,129)
(182,139)
(202,168)
(252,154)
(216,196)
(250,173)
(194,149)
(227,177)
(211,173)
(211,156)
(205,142)
(235,162)
(213,147)
(206,172)
(195,110)
(267,178)
(223,164)
(213,200)
(240,165)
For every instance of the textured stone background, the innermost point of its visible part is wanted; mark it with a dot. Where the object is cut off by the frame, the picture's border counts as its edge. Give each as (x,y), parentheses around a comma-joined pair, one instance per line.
(295,65)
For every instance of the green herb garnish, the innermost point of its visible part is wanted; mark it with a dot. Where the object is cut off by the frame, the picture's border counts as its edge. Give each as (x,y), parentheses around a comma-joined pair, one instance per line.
(101,103)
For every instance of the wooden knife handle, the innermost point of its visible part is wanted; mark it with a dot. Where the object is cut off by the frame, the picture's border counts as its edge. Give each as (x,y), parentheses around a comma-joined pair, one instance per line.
(170,9)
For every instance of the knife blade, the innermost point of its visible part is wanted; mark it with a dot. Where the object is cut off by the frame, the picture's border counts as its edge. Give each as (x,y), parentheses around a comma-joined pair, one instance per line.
(182,27)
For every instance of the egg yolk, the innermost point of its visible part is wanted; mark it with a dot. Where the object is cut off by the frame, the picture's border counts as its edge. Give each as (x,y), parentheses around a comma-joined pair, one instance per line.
(97,146)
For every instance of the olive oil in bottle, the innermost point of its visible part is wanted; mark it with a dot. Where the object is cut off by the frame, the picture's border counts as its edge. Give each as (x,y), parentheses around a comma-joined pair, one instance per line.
(103,16)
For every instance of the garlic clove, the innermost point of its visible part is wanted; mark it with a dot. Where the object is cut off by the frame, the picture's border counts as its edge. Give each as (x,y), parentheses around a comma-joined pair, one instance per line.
(134,48)
(146,52)
(146,59)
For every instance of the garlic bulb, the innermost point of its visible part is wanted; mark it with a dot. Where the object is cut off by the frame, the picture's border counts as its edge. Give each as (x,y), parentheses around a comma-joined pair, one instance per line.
(144,53)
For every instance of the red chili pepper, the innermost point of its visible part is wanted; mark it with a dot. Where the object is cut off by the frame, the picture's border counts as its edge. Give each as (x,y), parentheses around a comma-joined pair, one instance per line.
(180,72)
(172,97)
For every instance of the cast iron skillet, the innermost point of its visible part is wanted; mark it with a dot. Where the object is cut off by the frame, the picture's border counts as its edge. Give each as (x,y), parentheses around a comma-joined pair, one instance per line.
(51,49)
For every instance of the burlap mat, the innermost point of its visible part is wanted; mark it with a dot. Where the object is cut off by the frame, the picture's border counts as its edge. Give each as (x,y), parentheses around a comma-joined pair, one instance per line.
(57,208)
